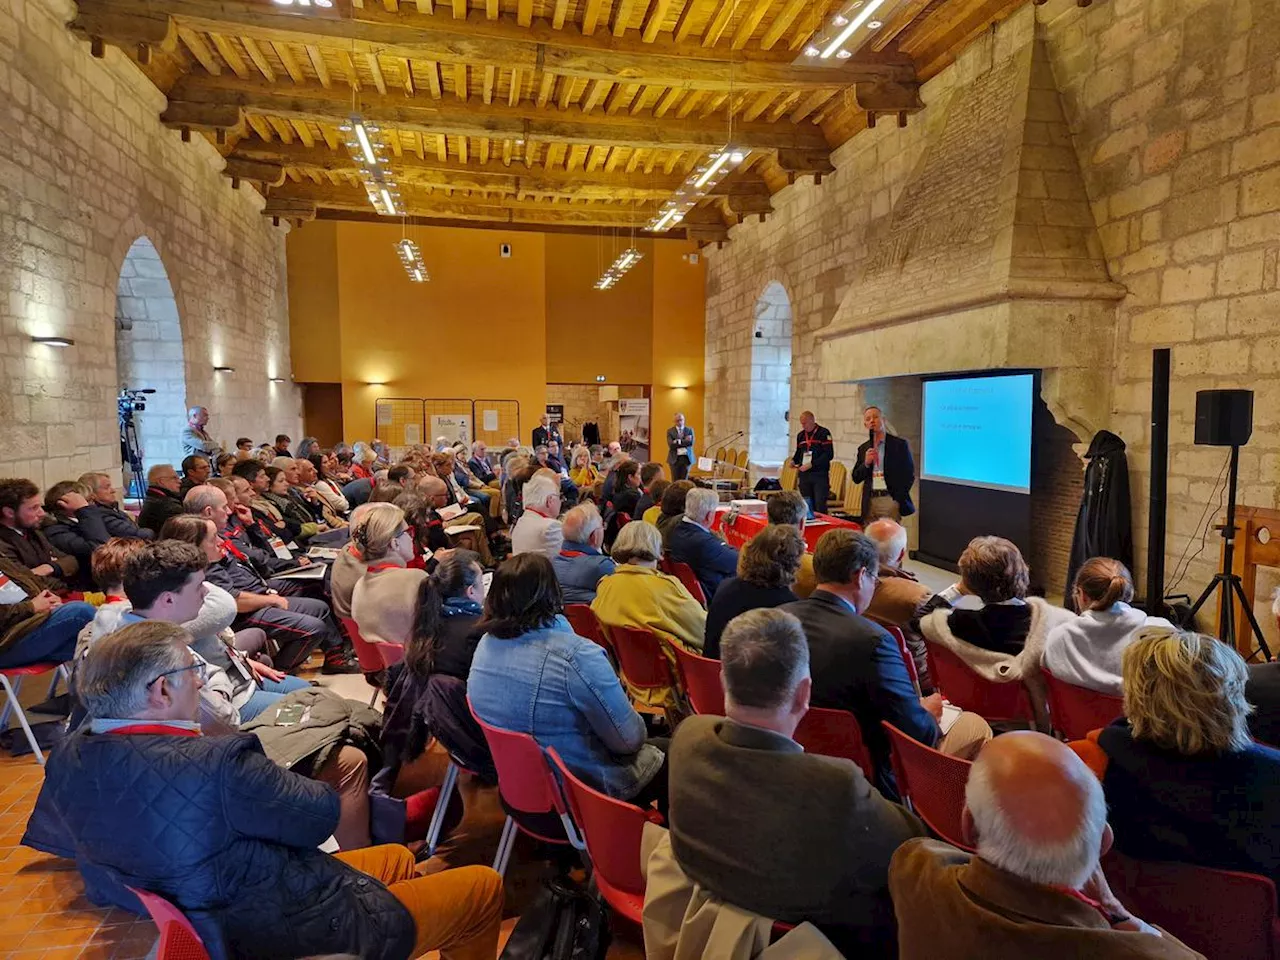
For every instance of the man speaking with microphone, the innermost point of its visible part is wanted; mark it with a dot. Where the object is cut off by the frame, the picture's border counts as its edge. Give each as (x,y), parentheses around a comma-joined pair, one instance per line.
(886,471)
(812,458)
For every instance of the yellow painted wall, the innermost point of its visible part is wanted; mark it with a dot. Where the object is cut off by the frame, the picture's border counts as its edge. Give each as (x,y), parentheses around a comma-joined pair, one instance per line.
(314,302)
(679,320)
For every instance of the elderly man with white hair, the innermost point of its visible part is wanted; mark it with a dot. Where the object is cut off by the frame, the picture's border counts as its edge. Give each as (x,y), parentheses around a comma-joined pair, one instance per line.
(899,594)
(581,562)
(1037,816)
(194,438)
(691,541)
(539,529)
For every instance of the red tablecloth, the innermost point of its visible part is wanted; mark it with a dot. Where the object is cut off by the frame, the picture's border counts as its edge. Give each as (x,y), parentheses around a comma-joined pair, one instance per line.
(745,526)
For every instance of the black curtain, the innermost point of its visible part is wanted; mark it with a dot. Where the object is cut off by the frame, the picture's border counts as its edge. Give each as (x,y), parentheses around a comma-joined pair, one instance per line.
(1104,525)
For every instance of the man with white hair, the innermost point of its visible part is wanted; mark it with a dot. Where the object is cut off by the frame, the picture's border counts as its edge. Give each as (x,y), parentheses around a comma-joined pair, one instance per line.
(480,465)
(194,438)
(811,839)
(539,529)
(898,593)
(691,541)
(581,564)
(1037,817)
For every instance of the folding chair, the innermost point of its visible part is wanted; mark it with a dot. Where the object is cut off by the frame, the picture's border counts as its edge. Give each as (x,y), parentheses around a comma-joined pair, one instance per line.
(641,660)
(367,655)
(178,938)
(895,631)
(932,782)
(11,679)
(968,691)
(586,624)
(700,680)
(684,573)
(1077,711)
(835,733)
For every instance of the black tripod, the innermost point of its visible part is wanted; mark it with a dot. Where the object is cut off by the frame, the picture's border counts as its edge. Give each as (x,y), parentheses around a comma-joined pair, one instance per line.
(1227,579)
(131,454)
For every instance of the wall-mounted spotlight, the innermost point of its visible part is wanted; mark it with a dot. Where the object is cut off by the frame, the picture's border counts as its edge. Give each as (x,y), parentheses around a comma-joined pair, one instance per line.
(599,378)
(277,380)
(375,383)
(54,341)
(224,369)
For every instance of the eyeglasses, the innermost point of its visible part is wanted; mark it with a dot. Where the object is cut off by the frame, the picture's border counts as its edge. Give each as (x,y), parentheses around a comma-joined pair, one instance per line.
(199,667)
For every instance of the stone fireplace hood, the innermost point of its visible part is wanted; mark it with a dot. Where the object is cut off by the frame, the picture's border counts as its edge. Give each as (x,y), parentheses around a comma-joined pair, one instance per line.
(989,257)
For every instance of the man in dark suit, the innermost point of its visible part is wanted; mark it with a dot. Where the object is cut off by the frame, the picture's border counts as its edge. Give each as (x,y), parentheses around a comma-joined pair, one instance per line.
(680,448)
(691,541)
(886,471)
(763,825)
(545,432)
(857,665)
(814,450)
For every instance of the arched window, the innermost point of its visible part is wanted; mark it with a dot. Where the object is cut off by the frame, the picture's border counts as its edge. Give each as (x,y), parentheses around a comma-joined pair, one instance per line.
(769,436)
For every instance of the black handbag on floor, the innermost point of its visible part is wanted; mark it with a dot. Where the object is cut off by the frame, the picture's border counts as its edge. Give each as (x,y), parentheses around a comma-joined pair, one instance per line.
(565,922)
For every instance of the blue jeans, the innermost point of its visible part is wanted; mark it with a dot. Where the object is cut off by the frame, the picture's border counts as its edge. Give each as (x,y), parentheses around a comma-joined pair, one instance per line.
(54,641)
(272,691)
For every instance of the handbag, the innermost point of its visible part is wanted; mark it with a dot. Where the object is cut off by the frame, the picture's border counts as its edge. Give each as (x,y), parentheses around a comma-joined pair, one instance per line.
(565,922)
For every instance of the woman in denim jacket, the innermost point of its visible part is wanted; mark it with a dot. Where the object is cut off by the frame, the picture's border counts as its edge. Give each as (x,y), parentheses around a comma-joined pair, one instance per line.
(532,674)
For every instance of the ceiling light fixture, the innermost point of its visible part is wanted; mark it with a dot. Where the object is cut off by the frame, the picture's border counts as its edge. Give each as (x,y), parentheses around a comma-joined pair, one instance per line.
(703,179)
(411,257)
(54,341)
(367,149)
(617,270)
(851,27)
(599,378)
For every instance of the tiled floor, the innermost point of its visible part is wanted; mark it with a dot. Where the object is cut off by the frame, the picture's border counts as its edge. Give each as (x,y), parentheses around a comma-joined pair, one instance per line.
(43,912)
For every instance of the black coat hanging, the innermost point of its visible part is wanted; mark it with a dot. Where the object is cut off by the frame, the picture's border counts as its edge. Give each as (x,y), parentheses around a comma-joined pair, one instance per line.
(1104,525)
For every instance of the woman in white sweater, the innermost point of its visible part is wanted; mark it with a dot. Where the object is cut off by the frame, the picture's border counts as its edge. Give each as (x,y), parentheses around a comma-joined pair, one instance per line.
(386,597)
(1086,651)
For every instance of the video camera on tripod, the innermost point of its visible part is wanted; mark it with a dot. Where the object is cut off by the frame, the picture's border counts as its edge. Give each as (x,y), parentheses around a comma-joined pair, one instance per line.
(128,403)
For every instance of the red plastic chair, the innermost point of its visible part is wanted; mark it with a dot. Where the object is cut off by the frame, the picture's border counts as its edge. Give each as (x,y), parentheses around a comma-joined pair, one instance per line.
(684,573)
(586,624)
(11,680)
(527,785)
(932,782)
(367,654)
(834,733)
(700,680)
(968,691)
(178,938)
(612,830)
(896,632)
(641,660)
(1220,913)
(389,654)
(1078,711)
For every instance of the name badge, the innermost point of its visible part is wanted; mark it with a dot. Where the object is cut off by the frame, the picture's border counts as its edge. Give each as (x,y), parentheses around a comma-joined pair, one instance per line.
(806,459)
(878,484)
(427,554)
(10,592)
(681,451)
(280,549)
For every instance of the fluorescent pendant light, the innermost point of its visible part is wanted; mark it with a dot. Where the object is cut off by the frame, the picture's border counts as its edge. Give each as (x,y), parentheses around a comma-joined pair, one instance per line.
(367,147)
(625,261)
(386,198)
(411,258)
(720,161)
(699,183)
(870,7)
(665,222)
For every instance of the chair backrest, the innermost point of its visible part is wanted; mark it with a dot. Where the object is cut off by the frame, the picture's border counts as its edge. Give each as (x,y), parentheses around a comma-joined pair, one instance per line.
(611,829)
(178,938)
(367,654)
(684,573)
(901,639)
(933,781)
(1219,913)
(586,624)
(524,779)
(640,657)
(389,653)
(837,476)
(700,680)
(1076,711)
(789,477)
(742,457)
(968,691)
(835,733)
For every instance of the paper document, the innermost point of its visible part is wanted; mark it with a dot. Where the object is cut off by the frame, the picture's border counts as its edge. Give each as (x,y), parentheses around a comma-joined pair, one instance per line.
(949,715)
(460,528)
(313,572)
(450,512)
(323,553)
(491,420)
(706,464)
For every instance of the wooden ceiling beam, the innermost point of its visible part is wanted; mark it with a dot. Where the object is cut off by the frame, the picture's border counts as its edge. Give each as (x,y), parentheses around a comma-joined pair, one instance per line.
(237,168)
(495,120)
(653,22)
(509,226)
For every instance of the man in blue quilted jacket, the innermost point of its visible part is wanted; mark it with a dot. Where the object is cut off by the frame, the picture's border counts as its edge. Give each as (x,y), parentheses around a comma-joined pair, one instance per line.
(143,800)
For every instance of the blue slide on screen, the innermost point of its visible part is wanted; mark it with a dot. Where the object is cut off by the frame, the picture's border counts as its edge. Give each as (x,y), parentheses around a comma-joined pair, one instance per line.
(977,431)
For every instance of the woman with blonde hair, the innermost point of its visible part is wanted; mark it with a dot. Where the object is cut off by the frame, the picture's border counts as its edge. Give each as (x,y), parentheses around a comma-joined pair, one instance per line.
(581,470)
(1086,650)
(385,598)
(1183,779)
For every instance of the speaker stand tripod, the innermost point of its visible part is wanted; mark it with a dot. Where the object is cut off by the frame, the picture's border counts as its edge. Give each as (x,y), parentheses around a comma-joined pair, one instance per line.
(1227,580)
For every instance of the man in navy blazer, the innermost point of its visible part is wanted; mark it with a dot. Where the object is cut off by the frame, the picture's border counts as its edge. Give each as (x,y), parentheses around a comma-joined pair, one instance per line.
(856,665)
(691,541)
(886,471)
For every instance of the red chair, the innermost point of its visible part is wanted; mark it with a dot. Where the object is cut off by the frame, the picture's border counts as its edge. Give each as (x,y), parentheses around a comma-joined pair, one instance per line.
(11,680)
(389,654)
(700,680)
(900,638)
(932,782)
(684,573)
(1077,711)
(526,785)
(586,624)
(367,655)
(178,938)
(1220,913)
(612,830)
(835,733)
(641,660)
(968,691)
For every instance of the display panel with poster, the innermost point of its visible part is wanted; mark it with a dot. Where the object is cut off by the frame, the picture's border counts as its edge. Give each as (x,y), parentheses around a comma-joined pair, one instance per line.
(453,427)
(633,427)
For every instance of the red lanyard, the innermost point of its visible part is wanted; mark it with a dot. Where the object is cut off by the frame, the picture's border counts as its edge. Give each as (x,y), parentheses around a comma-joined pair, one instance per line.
(115,598)
(572,553)
(156,728)
(234,551)
(378,567)
(808,438)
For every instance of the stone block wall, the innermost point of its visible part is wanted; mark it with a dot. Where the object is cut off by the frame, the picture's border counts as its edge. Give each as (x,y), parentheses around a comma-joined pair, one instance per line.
(85,170)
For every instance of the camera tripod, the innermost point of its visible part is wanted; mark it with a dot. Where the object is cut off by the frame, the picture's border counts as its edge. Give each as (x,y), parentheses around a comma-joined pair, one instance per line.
(131,455)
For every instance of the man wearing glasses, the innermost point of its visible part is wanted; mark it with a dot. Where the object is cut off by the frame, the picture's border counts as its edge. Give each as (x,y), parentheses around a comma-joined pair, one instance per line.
(539,529)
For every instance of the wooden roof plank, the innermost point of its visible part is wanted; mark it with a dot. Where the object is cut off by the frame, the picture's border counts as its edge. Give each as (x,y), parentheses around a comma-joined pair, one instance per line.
(259,59)
(622,16)
(715,29)
(200,50)
(229,53)
(781,21)
(375,68)
(747,25)
(317,61)
(461,86)
(490,81)
(289,61)
(591,17)
(515,91)
(349,69)
(684,25)
(524,12)
(459,9)
(656,17)
(559,15)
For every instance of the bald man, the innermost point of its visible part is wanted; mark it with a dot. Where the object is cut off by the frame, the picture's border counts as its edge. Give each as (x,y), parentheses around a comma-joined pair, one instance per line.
(437,493)
(1037,817)
(898,593)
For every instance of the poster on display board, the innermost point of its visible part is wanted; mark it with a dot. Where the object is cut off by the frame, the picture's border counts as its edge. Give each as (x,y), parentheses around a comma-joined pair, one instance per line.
(555,413)
(454,427)
(633,427)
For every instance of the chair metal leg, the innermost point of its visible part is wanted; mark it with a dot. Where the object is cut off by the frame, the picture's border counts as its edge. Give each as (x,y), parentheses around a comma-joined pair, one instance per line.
(505,843)
(11,692)
(11,701)
(374,699)
(442,806)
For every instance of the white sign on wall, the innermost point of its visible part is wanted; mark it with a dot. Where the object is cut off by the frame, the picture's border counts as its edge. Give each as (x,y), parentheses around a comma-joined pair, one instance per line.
(456,428)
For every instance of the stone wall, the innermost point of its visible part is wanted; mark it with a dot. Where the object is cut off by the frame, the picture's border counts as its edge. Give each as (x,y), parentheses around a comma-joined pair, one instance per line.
(85,170)
(1173,113)
(769,437)
(582,403)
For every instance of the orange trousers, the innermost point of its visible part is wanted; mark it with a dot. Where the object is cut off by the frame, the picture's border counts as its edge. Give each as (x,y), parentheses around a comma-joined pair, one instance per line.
(457,912)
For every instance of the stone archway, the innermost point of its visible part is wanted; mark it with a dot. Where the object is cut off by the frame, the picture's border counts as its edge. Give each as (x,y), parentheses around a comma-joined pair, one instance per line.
(149,351)
(768,432)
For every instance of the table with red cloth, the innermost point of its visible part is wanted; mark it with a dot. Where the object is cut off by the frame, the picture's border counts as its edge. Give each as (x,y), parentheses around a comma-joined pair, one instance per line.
(746,525)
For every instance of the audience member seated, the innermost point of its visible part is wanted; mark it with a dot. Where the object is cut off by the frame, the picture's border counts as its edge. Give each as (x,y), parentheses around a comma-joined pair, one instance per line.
(480,466)
(1035,887)
(613,455)
(1263,692)
(767,568)
(23,544)
(386,493)
(582,471)
(539,530)
(1003,640)
(620,503)
(789,508)
(73,526)
(580,563)
(471,525)
(691,541)
(1184,780)
(196,469)
(298,518)
(673,503)
(519,470)
(307,446)
(281,447)
(224,464)
(383,602)
(533,675)
(555,458)
(856,664)
(1087,649)
(608,490)
(308,477)
(163,499)
(653,511)
(898,593)
(247,870)
(650,474)
(35,625)
(323,465)
(102,493)
(769,828)
(349,566)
